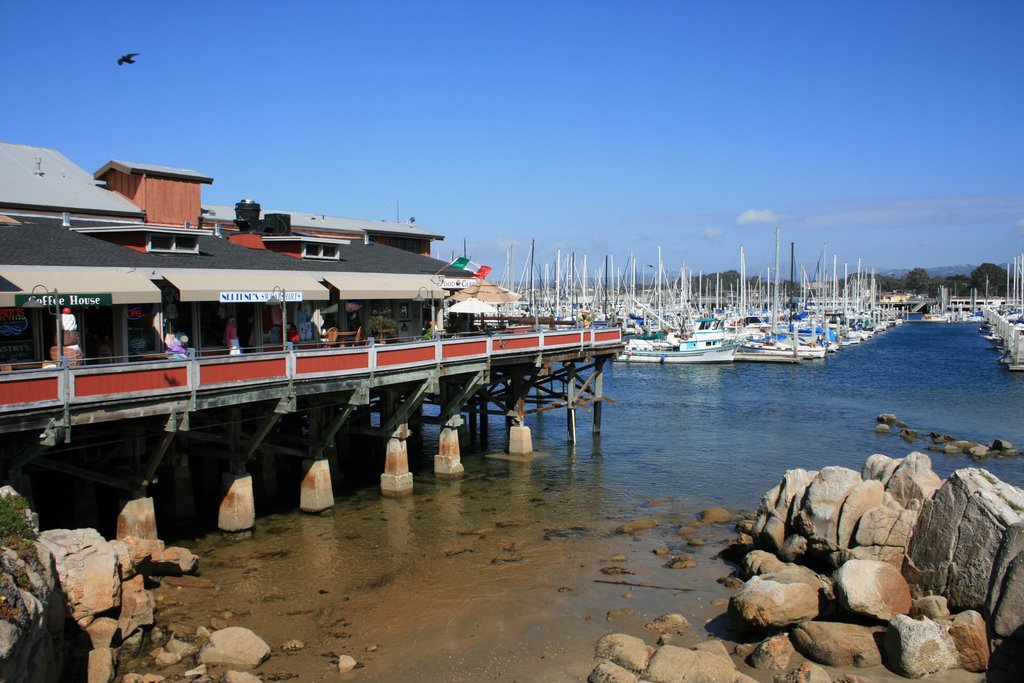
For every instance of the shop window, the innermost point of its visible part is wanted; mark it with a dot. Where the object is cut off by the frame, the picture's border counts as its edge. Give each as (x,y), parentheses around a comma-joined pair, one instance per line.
(143,325)
(15,335)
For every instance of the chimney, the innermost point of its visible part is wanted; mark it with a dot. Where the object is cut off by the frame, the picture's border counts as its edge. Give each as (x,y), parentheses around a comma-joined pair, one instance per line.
(247,216)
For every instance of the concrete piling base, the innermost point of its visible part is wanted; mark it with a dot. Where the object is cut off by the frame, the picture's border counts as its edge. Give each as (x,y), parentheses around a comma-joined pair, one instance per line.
(237,506)
(315,492)
(137,518)
(448,460)
(397,479)
(520,441)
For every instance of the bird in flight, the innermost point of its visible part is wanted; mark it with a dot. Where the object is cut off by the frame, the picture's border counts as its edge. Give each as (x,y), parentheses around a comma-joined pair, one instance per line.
(128,58)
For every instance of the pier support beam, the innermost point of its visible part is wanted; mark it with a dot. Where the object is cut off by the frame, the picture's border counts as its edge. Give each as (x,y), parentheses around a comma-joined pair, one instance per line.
(182,495)
(137,518)
(598,393)
(448,460)
(570,398)
(237,512)
(315,492)
(397,479)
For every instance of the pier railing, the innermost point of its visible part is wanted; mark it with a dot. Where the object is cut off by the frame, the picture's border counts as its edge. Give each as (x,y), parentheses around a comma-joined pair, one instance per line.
(65,387)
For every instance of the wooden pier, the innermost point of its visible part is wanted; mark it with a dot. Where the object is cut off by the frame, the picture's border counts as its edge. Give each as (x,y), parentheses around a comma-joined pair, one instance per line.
(125,426)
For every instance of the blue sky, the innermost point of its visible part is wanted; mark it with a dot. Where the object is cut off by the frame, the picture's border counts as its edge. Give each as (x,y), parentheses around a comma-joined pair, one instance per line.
(890,131)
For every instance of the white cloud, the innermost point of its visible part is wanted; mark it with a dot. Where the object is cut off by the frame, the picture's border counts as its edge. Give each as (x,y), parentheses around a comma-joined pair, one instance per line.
(757,216)
(711,233)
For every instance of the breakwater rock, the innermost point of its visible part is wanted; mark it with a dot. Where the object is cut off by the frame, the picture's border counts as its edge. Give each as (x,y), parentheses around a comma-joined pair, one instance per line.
(890,564)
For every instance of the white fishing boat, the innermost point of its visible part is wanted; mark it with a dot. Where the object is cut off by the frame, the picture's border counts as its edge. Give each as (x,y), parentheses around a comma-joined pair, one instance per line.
(706,343)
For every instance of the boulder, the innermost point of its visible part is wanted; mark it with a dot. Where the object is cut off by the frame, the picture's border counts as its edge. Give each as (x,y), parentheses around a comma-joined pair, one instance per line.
(931,606)
(137,607)
(102,632)
(672,664)
(778,508)
(818,517)
(346,663)
(101,666)
(886,525)
(970,640)
(834,643)
(669,623)
(235,647)
(32,627)
(953,549)
(872,589)
(758,562)
(878,467)
(1001,445)
(912,479)
(1005,602)
(918,647)
(908,435)
(793,548)
(89,570)
(609,672)
(887,419)
(715,516)
(805,673)
(883,429)
(772,654)
(861,498)
(765,603)
(173,561)
(633,526)
(629,652)
(240,677)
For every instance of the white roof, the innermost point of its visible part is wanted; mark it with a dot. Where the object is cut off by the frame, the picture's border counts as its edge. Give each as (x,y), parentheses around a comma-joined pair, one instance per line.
(43,178)
(316,221)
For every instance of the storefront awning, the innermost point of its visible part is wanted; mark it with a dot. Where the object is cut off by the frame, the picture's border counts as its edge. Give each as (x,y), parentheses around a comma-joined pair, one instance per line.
(124,288)
(359,286)
(207,285)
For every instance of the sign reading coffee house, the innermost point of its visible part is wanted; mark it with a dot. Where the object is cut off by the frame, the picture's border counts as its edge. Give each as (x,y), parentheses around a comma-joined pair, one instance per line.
(63,299)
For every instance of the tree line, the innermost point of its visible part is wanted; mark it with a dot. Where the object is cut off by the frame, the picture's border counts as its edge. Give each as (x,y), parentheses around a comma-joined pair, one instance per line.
(987,278)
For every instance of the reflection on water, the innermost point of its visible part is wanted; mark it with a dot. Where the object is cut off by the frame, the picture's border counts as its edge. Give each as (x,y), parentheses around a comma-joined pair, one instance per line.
(498,573)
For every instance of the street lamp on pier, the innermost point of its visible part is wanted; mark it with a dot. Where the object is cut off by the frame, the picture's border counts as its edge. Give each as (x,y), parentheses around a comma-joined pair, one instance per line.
(419,299)
(43,299)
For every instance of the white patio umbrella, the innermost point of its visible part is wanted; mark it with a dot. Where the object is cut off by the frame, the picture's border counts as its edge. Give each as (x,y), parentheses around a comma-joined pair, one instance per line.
(472,305)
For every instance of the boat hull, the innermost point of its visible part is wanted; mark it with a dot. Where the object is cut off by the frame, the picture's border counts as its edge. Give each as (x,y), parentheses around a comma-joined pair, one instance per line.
(718,354)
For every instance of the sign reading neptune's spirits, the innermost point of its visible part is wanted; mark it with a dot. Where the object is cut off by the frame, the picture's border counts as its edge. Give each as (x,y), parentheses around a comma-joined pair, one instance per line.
(63,299)
(258,297)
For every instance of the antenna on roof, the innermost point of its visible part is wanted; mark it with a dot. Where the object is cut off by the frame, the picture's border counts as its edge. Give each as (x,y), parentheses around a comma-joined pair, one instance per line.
(397,210)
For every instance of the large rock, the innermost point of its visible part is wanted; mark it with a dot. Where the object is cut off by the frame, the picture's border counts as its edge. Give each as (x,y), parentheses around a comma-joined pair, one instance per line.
(834,643)
(886,525)
(953,549)
(861,498)
(818,518)
(913,479)
(234,647)
(968,634)
(772,654)
(1005,601)
(872,589)
(609,672)
(672,664)
(918,647)
(805,673)
(629,652)
(778,507)
(89,570)
(32,630)
(765,603)
(137,607)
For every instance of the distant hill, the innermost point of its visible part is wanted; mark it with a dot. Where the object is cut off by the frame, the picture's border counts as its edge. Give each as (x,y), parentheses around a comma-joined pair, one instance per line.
(939,271)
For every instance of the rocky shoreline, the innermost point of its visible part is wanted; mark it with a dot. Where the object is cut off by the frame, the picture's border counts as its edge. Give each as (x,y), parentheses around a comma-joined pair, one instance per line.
(888,570)
(839,576)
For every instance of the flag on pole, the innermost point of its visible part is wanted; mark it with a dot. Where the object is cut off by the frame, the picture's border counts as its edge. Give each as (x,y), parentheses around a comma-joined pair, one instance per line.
(464,263)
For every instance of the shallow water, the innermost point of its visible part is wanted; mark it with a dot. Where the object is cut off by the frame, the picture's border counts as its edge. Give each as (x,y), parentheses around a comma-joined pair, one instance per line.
(498,575)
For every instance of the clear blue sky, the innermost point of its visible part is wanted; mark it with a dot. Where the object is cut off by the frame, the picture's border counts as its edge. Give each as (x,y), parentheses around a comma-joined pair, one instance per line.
(892,131)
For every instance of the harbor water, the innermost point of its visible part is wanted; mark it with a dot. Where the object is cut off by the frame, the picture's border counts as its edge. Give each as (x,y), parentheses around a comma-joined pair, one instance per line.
(498,576)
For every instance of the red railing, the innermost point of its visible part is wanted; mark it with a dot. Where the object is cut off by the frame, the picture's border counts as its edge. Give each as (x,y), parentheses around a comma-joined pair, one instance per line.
(60,386)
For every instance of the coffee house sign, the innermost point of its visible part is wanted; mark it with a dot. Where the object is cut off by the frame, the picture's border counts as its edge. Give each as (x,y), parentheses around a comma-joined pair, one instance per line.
(63,299)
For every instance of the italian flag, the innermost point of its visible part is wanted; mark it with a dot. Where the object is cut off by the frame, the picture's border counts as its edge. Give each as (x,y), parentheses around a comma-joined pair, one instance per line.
(464,263)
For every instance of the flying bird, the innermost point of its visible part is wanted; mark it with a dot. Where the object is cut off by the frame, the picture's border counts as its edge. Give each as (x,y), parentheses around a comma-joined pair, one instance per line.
(128,58)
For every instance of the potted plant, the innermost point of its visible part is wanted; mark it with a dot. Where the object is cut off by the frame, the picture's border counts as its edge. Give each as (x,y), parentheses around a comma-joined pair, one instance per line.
(381,327)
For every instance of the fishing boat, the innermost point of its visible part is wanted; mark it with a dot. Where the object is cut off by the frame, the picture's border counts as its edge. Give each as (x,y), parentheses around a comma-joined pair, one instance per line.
(706,343)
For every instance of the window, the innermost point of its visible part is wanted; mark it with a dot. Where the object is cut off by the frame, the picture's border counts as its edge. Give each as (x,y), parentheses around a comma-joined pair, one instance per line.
(313,250)
(162,242)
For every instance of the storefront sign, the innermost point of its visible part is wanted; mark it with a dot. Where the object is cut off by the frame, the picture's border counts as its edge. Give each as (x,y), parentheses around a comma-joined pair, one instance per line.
(13,321)
(258,297)
(458,282)
(63,299)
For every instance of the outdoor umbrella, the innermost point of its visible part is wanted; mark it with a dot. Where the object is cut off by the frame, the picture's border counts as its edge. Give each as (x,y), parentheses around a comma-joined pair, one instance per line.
(485,291)
(472,305)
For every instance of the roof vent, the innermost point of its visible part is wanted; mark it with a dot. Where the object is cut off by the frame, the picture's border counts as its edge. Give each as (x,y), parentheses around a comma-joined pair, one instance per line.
(247,216)
(39,167)
(277,224)
(65,219)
